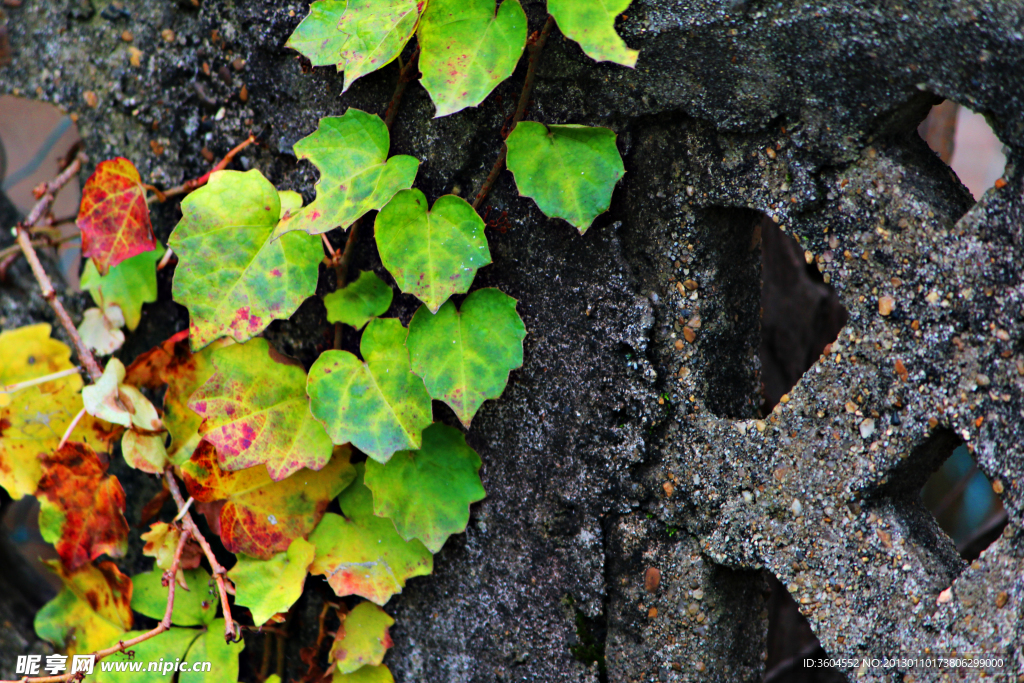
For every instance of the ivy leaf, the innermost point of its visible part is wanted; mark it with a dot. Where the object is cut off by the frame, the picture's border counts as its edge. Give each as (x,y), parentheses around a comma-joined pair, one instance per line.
(91,611)
(168,646)
(100,330)
(129,284)
(81,506)
(464,357)
(256,412)
(162,543)
(368,674)
(196,606)
(366,36)
(361,554)
(267,587)
(356,176)
(232,278)
(260,516)
(144,452)
(173,363)
(431,254)
(362,638)
(467,50)
(570,171)
(378,405)
(222,656)
(112,400)
(427,493)
(357,302)
(592,25)
(114,216)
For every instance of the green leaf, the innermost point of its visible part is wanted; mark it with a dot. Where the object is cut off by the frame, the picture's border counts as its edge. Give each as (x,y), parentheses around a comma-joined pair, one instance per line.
(356,176)
(129,284)
(570,171)
(366,36)
(427,493)
(167,647)
(368,674)
(357,302)
(431,254)
(361,554)
(362,638)
(232,278)
(256,412)
(90,612)
(222,656)
(379,405)
(466,50)
(267,587)
(193,607)
(144,452)
(592,24)
(464,357)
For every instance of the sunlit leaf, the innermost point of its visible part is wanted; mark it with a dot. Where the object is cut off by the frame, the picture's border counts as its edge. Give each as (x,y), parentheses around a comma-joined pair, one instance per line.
(231,276)
(362,639)
(81,506)
(362,554)
(361,38)
(100,330)
(193,607)
(112,400)
(144,452)
(114,216)
(260,516)
(91,611)
(162,543)
(427,493)
(379,405)
(368,674)
(592,24)
(356,176)
(357,302)
(33,419)
(256,412)
(464,357)
(467,50)
(129,284)
(570,171)
(165,648)
(222,657)
(173,363)
(431,254)
(267,587)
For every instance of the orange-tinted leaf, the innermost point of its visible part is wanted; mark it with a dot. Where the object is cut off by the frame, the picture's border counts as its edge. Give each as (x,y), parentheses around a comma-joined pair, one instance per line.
(114,216)
(82,507)
(92,611)
(162,542)
(260,516)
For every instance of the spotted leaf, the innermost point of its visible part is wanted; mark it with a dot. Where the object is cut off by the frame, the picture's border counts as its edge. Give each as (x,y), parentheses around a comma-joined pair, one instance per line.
(431,254)
(357,302)
(267,587)
(367,674)
(592,24)
(233,278)
(362,639)
(222,656)
(378,405)
(256,412)
(92,610)
(169,646)
(261,517)
(196,606)
(114,216)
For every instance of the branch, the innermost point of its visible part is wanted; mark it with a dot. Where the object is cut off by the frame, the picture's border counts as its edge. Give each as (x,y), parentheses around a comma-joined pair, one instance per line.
(404,78)
(46,193)
(190,185)
(535,48)
(231,630)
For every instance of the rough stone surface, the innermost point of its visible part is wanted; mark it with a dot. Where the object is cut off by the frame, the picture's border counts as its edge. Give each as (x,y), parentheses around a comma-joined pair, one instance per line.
(603,458)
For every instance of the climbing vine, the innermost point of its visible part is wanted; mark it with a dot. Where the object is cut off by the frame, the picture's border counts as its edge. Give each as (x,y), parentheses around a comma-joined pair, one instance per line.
(261,445)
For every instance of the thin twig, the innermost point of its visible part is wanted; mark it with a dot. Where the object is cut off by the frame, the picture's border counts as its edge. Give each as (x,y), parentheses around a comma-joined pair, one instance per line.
(231,631)
(11,388)
(71,428)
(15,249)
(190,185)
(405,76)
(535,49)
(165,259)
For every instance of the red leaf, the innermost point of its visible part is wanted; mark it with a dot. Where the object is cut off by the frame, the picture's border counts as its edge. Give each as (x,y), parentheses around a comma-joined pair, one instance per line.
(152,368)
(114,216)
(82,506)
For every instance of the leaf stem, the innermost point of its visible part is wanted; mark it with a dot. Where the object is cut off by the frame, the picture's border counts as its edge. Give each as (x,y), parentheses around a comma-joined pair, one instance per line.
(11,388)
(405,76)
(535,48)
(196,183)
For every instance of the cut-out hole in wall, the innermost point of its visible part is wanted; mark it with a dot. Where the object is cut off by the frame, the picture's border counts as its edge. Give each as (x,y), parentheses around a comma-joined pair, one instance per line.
(964,140)
(964,504)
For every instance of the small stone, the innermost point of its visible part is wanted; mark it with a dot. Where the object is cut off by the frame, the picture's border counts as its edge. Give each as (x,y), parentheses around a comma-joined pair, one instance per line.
(867,428)
(690,284)
(933,297)
(689,334)
(243,94)
(652,613)
(1002,599)
(945,596)
(90,98)
(693,608)
(134,56)
(997,487)
(770,152)
(884,537)
(851,407)
(901,370)
(885,305)
(207,154)
(168,35)
(238,64)
(698,594)
(652,579)
(157,148)
(127,36)
(1000,183)
(982,380)
(694,322)
(797,507)
(809,257)
(761,425)
(1002,335)
(748,497)
(684,372)
(699,666)
(784,399)
(668,488)
(679,344)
